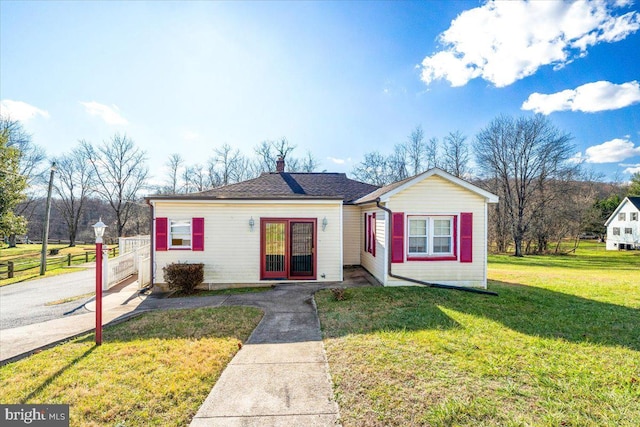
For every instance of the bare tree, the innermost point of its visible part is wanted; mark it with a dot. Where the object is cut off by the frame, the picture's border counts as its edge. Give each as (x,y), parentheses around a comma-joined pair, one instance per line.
(397,164)
(268,152)
(373,169)
(523,155)
(230,165)
(309,163)
(120,173)
(416,151)
(73,187)
(432,153)
(175,163)
(456,154)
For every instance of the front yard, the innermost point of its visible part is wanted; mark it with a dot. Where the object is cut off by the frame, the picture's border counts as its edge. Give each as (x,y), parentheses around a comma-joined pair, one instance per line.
(154,370)
(560,346)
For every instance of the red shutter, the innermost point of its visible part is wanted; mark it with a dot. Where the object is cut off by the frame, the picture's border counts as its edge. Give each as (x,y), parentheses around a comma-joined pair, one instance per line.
(466,237)
(373,234)
(197,234)
(397,237)
(161,234)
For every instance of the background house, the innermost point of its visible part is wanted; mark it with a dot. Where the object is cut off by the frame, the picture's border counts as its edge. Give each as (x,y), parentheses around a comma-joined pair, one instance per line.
(308,226)
(623,226)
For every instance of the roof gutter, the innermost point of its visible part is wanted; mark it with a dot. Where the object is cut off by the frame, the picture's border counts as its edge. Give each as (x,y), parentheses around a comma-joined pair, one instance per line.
(421,282)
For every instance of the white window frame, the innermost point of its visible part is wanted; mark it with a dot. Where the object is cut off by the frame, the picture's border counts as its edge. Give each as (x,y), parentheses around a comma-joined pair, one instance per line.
(430,230)
(615,231)
(622,216)
(171,233)
(633,216)
(628,230)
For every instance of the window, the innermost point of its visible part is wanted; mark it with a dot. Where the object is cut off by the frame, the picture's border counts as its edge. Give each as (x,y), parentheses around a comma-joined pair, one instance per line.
(430,236)
(634,216)
(622,216)
(628,231)
(180,234)
(616,231)
(370,233)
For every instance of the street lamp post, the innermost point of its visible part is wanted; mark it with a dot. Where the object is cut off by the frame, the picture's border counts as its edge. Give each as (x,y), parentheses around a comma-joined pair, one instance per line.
(98,228)
(45,231)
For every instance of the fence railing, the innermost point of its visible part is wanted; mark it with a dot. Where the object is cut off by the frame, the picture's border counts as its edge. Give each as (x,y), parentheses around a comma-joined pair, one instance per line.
(129,244)
(12,268)
(115,270)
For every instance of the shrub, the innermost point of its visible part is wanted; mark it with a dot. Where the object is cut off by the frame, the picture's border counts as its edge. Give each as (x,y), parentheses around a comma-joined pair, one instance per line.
(183,277)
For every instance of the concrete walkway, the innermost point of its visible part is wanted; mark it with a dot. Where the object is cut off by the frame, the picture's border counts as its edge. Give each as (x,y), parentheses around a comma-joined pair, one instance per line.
(280,377)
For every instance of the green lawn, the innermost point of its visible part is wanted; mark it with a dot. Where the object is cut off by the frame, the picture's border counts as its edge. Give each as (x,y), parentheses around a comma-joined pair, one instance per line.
(154,370)
(560,346)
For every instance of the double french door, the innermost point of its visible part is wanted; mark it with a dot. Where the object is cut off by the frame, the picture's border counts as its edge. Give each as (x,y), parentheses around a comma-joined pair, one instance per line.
(288,248)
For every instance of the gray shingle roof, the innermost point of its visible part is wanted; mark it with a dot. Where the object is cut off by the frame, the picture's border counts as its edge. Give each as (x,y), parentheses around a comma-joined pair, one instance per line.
(274,185)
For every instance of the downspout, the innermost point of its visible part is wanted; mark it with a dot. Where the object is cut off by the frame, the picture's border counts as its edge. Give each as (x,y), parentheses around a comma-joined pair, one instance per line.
(152,242)
(421,282)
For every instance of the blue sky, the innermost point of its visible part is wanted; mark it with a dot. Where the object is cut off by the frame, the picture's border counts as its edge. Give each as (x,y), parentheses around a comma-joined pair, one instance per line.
(336,78)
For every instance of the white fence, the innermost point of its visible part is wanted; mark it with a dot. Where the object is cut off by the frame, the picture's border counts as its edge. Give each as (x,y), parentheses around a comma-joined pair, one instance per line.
(136,260)
(129,244)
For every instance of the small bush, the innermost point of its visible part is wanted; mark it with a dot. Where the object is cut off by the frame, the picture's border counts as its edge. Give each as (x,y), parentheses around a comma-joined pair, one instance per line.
(338,293)
(183,277)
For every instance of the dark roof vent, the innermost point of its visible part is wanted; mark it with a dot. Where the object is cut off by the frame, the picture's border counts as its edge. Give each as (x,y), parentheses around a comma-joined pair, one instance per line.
(280,164)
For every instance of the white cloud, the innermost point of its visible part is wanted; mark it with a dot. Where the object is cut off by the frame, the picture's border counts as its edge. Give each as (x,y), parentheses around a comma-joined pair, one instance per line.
(21,111)
(631,169)
(612,151)
(336,160)
(111,115)
(504,41)
(588,98)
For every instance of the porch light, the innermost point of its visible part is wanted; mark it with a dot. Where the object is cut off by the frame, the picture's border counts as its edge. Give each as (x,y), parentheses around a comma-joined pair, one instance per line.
(252,223)
(99,228)
(324,223)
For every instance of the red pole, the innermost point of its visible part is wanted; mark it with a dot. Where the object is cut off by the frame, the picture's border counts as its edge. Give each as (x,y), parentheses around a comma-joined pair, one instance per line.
(98,293)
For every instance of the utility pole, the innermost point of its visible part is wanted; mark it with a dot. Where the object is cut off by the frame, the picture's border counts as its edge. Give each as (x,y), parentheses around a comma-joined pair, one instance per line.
(45,231)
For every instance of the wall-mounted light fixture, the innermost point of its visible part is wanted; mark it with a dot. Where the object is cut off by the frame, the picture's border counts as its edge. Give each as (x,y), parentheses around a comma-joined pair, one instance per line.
(324,223)
(252,224)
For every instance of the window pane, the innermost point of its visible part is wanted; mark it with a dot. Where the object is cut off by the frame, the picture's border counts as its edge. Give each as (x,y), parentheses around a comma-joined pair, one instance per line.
(180,233)
(418,227)
(418,245)
(441,227)
(621,216)
(441,245)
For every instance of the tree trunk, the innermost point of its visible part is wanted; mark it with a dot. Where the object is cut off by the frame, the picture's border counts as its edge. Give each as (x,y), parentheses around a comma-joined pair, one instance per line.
(12,241)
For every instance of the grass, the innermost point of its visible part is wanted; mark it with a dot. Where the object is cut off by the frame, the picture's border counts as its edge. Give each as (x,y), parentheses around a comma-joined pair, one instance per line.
(70,299)
(229,291)
(154,370)
(560,346)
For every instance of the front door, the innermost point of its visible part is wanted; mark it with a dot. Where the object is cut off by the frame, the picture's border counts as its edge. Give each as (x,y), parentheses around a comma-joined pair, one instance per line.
(287,249)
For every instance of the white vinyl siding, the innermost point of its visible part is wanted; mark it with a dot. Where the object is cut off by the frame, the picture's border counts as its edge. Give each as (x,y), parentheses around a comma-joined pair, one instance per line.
(623,228)
(351,240)
(433,197)
(232,254)
(375,264)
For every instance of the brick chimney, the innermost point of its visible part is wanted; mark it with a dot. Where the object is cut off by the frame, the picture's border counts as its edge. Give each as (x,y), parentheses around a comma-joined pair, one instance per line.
(280,164)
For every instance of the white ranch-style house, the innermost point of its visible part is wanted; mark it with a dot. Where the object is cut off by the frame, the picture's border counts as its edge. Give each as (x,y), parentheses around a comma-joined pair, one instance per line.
(623,226)
(302,227)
